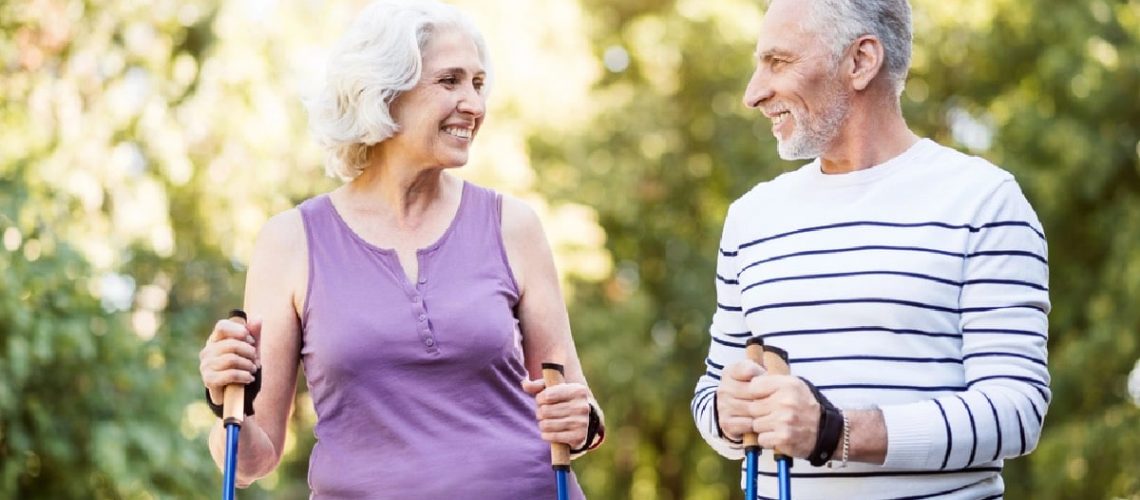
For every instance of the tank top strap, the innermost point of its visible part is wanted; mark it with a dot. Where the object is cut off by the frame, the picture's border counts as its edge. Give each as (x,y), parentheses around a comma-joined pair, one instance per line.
(479,232)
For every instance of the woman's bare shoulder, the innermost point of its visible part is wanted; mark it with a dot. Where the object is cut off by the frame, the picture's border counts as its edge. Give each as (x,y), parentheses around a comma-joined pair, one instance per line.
(520,221)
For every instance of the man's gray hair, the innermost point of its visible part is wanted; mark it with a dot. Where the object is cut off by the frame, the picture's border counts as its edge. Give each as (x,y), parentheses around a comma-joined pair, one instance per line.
(378,58)
(840,22)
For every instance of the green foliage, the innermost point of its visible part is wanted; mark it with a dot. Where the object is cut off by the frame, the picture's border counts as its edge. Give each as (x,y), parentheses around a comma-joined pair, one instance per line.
(119,242)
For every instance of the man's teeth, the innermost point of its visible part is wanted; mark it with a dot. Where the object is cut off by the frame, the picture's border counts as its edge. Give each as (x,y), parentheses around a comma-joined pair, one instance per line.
(779,117)
(464,133)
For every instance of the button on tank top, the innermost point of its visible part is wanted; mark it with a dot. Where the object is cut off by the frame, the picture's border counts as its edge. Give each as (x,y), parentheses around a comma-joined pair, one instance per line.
(416,384)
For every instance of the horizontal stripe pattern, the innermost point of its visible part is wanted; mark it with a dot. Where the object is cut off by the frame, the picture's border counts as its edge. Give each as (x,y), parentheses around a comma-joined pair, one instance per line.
(934,310)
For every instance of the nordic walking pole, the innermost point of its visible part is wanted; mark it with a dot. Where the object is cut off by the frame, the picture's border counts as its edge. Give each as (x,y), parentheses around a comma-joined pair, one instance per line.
(776,363)
(233,413)
(552,374)
(754,349)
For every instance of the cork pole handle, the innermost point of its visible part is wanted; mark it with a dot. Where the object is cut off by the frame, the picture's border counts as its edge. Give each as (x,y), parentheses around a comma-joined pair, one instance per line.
(754,349)
(233,399)
(776,363)
(553,374)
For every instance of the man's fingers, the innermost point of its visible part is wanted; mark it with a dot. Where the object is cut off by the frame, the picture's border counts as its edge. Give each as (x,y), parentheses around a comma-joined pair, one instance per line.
(744,370)
(735,427)
(763,387)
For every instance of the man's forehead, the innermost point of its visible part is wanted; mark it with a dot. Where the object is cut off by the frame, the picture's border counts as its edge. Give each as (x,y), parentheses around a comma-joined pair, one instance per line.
(782,29)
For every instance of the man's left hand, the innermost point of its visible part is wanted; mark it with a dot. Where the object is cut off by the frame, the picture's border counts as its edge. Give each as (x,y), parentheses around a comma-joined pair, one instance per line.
(785,414)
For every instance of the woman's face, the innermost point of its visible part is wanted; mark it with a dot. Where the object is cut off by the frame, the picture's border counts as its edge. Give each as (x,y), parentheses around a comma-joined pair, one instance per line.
(439,117)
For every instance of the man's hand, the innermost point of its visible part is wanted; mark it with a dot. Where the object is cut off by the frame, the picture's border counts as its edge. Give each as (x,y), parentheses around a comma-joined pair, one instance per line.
(785,414)
(780,409)
(733,397)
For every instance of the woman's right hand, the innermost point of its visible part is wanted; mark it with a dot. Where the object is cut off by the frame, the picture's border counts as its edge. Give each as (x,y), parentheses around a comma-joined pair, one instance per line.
(229,357)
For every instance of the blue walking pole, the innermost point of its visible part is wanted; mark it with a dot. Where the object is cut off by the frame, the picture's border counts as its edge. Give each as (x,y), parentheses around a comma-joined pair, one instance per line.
(754,349)
(776,363)
(552,374)
(233,413)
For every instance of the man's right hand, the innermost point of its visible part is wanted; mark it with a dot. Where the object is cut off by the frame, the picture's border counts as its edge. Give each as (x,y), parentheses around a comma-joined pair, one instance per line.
(733,397)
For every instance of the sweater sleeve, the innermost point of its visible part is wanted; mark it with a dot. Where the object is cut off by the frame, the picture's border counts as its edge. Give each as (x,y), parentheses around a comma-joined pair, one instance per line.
(728,333)
(1004,302)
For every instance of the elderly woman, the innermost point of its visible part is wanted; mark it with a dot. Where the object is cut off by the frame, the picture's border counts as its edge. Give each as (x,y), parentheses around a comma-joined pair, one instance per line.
(421,306)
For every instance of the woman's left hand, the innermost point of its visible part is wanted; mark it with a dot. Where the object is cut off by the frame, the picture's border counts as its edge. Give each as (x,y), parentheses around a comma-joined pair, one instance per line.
(563,411)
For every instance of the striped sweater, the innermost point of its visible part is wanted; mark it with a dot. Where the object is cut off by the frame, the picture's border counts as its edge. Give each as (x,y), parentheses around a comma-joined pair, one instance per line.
(918,286)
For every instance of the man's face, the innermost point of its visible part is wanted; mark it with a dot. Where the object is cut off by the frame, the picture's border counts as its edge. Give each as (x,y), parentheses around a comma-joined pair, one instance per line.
(796,83)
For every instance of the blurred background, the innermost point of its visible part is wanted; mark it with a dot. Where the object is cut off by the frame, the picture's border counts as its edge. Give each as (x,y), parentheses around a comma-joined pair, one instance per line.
(144,142)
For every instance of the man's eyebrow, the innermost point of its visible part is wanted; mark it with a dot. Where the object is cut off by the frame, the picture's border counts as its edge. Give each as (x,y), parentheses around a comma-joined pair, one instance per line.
(769,53)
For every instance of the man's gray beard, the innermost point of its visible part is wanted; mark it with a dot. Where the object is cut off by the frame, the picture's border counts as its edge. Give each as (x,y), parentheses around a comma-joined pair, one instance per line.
(810,139)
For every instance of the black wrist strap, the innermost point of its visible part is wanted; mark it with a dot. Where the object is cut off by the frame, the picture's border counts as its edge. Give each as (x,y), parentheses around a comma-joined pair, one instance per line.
(830,428)
(591,431)
(251,390)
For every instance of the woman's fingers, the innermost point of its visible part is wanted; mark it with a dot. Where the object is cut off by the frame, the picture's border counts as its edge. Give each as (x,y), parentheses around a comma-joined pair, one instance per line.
(229,357)
(563,393)
(563,411)
(225,328)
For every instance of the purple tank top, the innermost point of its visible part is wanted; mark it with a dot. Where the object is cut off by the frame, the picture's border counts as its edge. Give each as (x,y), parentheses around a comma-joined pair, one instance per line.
(417,385)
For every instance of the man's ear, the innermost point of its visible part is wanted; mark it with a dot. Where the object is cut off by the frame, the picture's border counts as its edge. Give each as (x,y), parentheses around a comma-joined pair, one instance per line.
(867,56)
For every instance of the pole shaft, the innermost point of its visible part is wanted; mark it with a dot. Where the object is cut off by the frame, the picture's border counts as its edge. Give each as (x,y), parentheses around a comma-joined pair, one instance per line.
(233,414)
(232,432)
(552,375)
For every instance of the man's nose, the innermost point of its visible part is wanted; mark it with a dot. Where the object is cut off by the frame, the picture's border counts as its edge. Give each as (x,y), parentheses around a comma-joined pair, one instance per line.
(758,89)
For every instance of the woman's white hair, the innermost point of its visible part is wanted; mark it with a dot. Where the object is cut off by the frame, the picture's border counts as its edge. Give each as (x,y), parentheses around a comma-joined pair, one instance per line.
(378,58)
(840,22)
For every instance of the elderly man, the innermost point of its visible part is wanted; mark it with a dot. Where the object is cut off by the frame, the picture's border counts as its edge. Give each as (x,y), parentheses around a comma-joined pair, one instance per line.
(907,282)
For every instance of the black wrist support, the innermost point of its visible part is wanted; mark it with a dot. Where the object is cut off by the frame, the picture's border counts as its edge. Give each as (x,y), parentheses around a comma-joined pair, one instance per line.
(591,431)
(251,390)
(830,428)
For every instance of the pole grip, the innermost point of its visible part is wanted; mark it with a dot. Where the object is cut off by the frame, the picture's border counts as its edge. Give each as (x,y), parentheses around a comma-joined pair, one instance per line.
(233,399)
(776,363)
(552,375)
(754,349)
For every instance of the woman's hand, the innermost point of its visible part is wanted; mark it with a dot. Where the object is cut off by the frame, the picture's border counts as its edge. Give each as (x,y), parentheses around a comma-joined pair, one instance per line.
(563,411)
(229,357)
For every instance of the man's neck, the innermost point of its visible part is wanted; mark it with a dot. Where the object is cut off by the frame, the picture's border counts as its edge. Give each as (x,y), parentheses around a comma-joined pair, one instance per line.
(872,134)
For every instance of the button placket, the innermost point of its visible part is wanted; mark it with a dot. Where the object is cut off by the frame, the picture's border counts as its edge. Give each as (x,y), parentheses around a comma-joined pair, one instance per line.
(418,304)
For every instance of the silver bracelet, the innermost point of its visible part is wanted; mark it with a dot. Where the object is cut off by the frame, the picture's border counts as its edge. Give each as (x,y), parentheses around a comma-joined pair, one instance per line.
(846,443)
